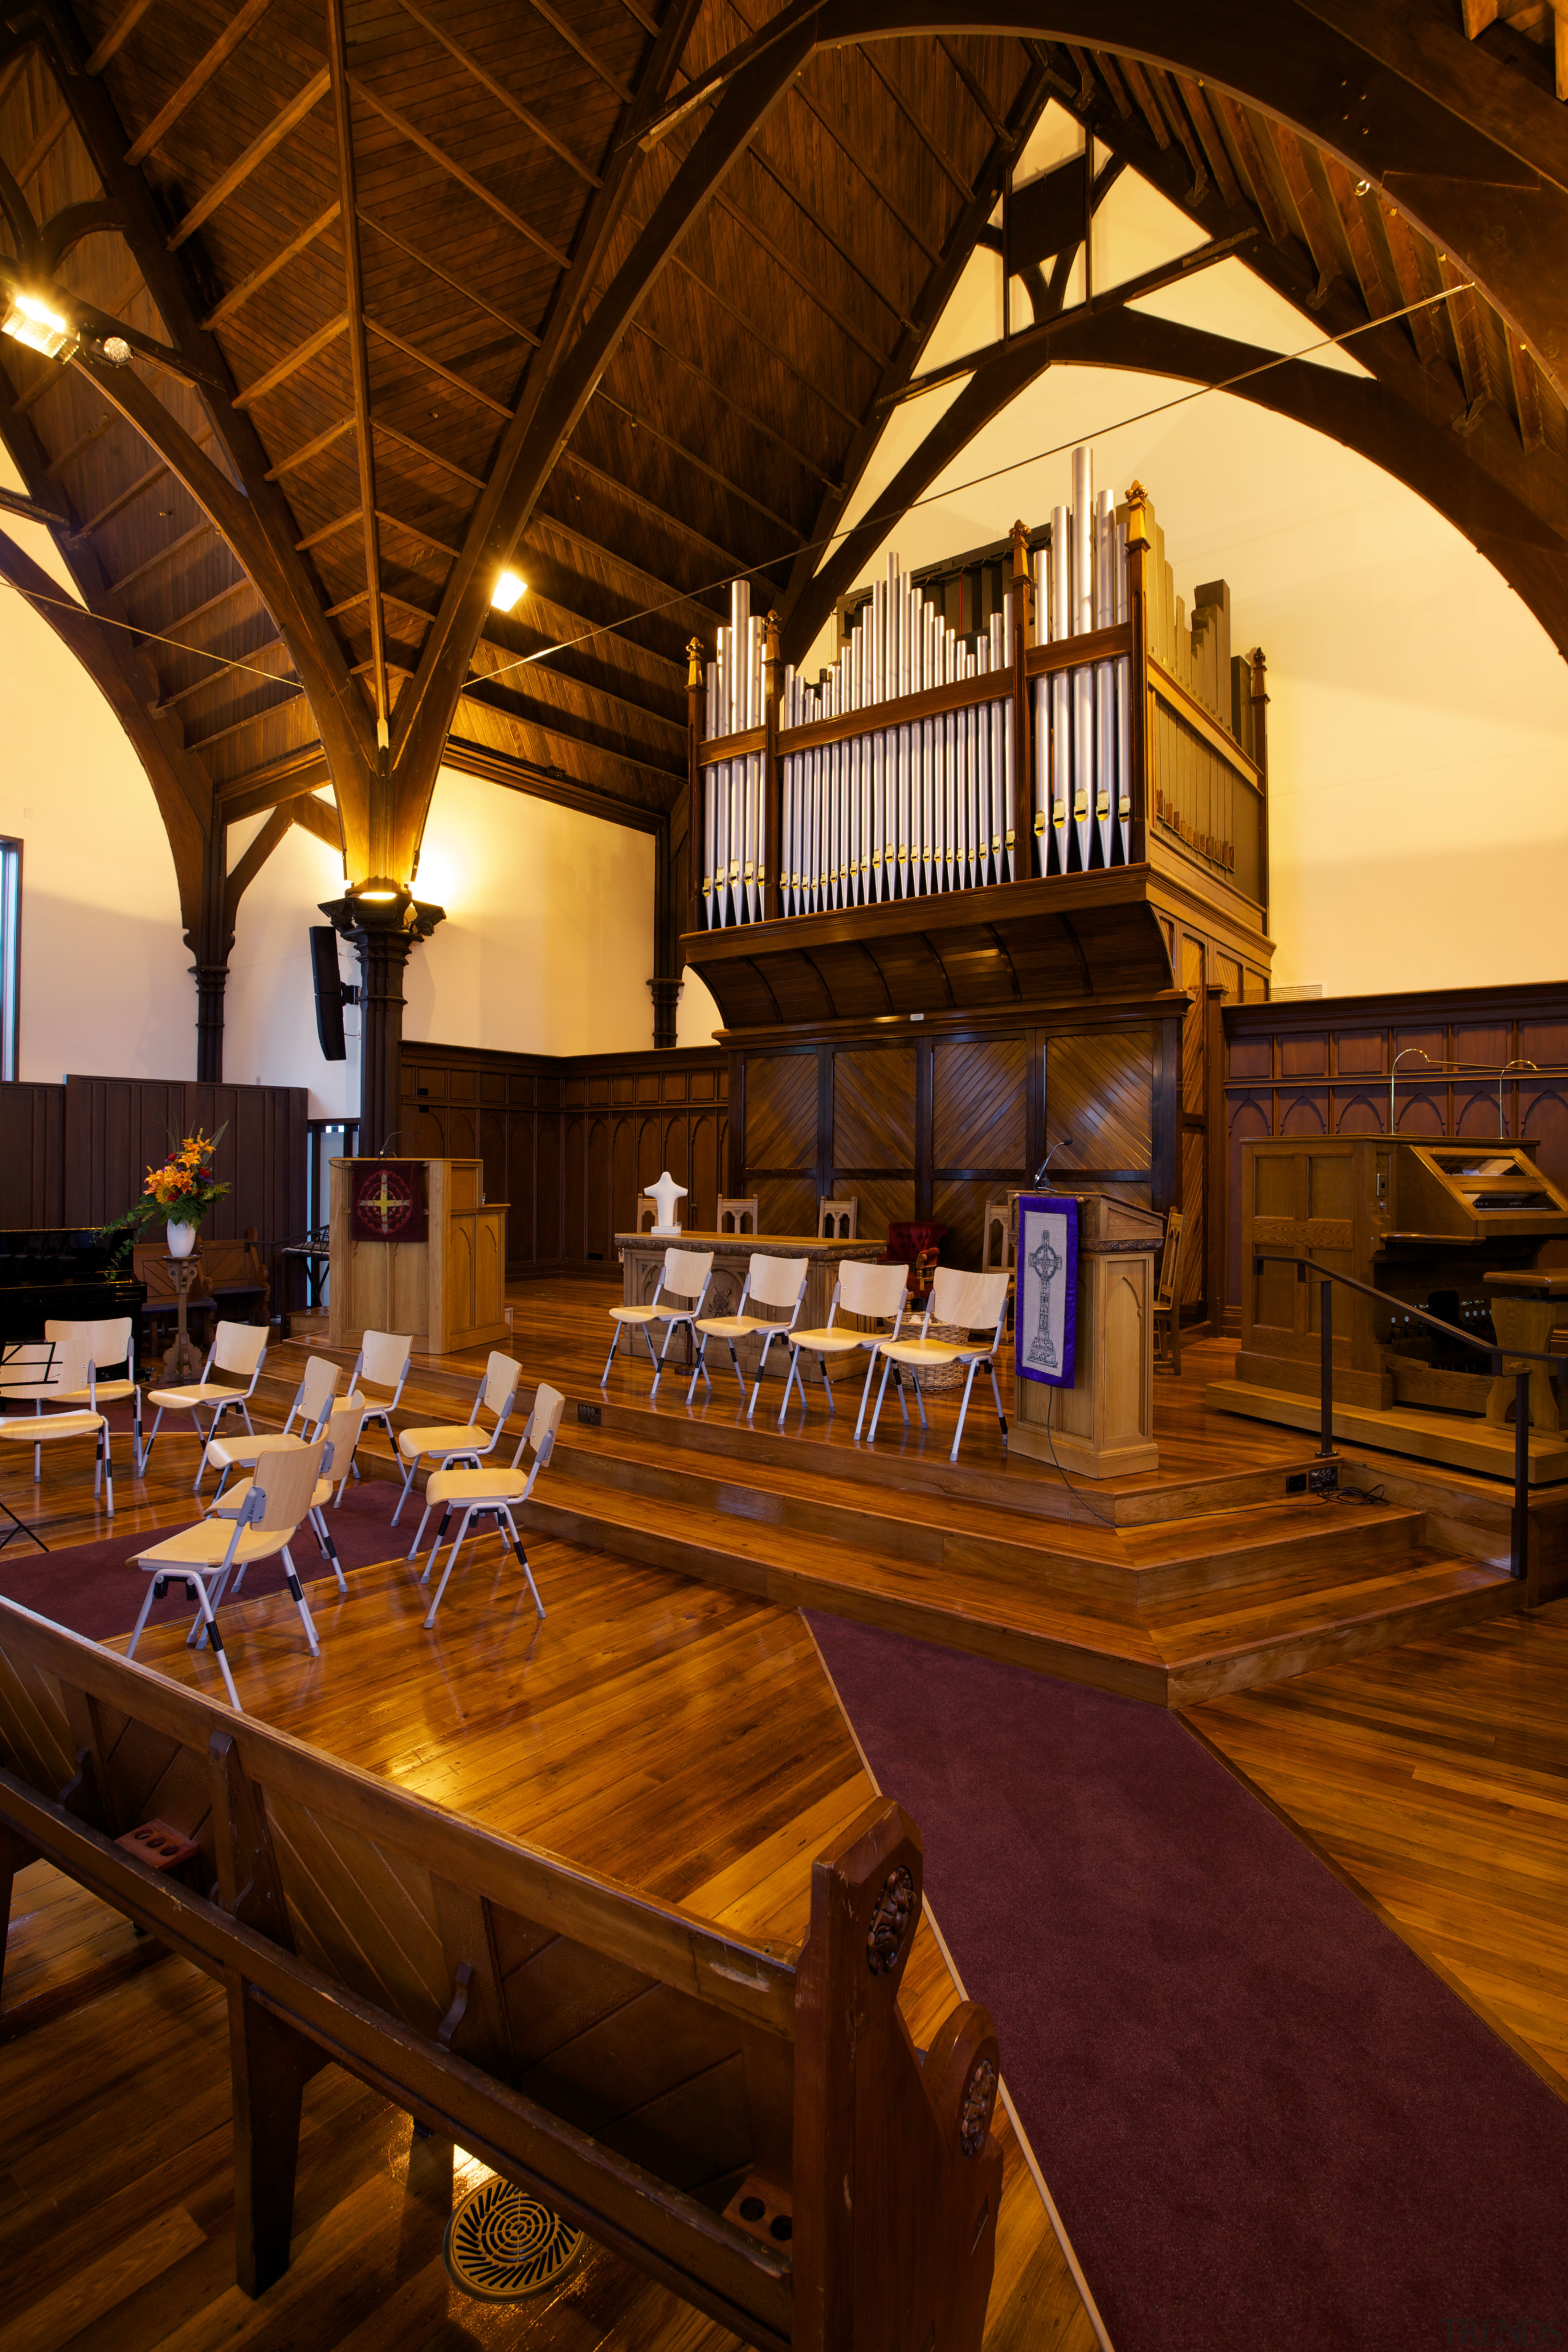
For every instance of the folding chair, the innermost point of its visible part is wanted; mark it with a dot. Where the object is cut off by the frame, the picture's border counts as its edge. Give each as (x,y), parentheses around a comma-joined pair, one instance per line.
(770,1282)
(968,1303)
(203,1557)
(493,1494)
(382,1363)
(312,1403)
(63,1367)
(878,1291)
(107,1344)
(239,1349)
(688,1273)
(449,1441)
(340,1426)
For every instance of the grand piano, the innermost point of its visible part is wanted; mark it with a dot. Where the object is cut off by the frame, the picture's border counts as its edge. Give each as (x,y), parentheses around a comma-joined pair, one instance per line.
(62,1273)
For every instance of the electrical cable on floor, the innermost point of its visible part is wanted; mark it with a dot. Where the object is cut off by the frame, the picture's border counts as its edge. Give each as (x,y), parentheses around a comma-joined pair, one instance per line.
(1106,1518)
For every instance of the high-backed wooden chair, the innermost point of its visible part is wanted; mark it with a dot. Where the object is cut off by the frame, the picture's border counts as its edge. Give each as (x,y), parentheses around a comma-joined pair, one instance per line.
(108,1345)
(776,1282)
(1167,1306)
(493,1494)
(966,1303)
(203,1557)
(684,1276)
(838,1221)
(312,1403)
(444,1443)
(1000,1231)
(879,1292)
(737,1216)
(745,2120)
(238,1349)
(647,1213)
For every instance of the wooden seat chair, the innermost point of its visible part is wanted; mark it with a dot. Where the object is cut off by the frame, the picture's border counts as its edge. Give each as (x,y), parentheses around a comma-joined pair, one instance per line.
(445,1443)
(733,1215)
(62,1372)
(967,1303)
(875,1291)
(380,1367)
(238,1349)
(339,1427)
(685,1273)
(312,1403)
(492,1494)
(1167,1309)
(838,1221)
(1001,1231)
(109,1344)
(770,1282)
(203,1557)
(648,1207)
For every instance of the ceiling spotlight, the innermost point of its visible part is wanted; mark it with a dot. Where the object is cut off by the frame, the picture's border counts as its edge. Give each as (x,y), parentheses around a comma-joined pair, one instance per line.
(377,892)
(1363,187)
(31,321)
(117,350)
(507,589)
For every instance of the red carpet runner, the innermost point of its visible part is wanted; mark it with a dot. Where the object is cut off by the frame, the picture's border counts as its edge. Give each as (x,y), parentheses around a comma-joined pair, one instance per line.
(1268,2127)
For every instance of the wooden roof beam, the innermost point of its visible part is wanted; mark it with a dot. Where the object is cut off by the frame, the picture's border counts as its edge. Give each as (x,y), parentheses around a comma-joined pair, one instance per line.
(119,33)
(266,270)
(422,360)
(503,317)
(812,287)
(1358,213)
(724,557)
(359,363)
(291,362)
(1424,327)
(1254,168)
(726,394)
(311,448)
(457,172)
(1295,164)
(574,41)
(320,817)
(775,350)
(1526,385)
(256,154)
(932,146)
(487,80)
(197,80)
(688,456)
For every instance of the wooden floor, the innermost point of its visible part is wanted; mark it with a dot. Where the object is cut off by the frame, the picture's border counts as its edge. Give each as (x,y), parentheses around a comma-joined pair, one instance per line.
(1435,1777)
(680,1738)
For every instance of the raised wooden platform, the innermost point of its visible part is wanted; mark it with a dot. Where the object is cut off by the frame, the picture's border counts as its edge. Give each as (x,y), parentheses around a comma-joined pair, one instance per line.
(1216,1572)
(1460,1441)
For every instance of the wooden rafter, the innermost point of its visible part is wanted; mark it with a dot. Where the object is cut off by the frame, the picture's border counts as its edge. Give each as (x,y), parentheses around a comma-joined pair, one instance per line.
(932,147)
(515,105)
(1411,286)
(726,394)
(359,359)
(197,80)
(558,24)
(119,33)
(1216,153)
(724,557)
(1310,210)
(264,271)
(384,334)
(761,336)
(456,171)
(260,147)
(1357,209)
(424,261)
(311,448)
(1526,396)
(726,482)
(808,281)
(300,356)
(1254,165)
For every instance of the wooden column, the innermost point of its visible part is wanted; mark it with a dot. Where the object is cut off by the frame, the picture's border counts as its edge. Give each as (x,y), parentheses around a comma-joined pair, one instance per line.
(695,837)
(1139,750)
(1260,755)
(1217,1171)
(1021,819)
(212,941)
(772,775)
(385,934)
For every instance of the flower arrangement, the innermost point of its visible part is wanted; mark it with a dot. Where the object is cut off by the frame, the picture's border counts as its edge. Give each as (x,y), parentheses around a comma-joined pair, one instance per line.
(181,1192)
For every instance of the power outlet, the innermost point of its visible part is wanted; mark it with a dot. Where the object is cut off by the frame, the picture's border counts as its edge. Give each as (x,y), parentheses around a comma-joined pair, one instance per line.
(1323,1478)
(589,1415)
(1294,1482)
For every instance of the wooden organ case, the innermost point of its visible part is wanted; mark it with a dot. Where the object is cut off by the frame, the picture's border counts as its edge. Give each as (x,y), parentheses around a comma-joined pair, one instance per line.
(977,891)
(1424,1221)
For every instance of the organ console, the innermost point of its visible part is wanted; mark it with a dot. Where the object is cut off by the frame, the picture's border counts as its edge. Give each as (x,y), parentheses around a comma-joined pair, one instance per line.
(1058,734)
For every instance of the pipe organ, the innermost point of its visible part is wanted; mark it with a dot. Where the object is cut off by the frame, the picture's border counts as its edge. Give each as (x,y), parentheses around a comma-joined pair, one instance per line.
(1082,725)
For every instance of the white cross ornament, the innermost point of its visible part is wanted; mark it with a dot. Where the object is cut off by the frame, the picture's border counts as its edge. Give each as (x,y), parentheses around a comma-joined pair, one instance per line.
(664,1196)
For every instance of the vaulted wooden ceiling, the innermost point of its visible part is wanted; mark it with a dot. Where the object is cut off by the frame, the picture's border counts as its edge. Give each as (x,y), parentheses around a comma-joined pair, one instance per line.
(420,287)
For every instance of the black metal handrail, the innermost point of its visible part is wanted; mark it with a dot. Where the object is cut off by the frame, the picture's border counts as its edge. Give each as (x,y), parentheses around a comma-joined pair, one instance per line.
(1518,1533)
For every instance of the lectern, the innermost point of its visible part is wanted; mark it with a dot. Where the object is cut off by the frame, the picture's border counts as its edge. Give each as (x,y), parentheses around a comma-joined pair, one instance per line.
(439,1271)
(1103,1425)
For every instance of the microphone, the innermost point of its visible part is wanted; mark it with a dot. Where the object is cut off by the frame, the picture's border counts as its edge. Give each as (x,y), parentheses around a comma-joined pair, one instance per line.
(1063,1143)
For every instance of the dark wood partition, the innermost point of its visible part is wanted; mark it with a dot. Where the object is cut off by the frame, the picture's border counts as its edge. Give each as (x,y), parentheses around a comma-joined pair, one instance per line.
(32,1156)
(569,1142)
(1321,1066)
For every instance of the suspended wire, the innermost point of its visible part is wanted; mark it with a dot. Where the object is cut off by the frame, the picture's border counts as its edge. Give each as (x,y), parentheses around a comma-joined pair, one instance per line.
(108,621)
(977,481)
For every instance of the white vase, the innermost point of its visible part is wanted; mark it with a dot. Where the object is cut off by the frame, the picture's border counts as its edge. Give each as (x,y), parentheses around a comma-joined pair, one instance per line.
(182,1239)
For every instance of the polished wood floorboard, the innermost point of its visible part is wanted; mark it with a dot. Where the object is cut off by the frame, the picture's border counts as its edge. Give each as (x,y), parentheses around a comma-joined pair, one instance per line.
(1435,1777)
(683,1738)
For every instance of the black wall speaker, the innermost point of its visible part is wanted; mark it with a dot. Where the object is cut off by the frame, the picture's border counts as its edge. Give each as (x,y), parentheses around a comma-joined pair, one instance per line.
(331,995)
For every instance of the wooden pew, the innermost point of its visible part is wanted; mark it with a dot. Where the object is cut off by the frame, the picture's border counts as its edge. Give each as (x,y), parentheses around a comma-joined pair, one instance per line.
(647,2075)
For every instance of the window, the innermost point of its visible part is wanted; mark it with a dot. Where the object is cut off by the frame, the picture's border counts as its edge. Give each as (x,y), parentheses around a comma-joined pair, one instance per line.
(10,950)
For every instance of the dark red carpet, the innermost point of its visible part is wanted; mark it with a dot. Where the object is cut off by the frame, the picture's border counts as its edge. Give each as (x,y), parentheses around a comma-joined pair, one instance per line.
(92,1588)
(1268,2127)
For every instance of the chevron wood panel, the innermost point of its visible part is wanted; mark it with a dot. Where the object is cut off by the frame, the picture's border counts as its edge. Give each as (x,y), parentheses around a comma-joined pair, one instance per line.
(958,1203)
(1100,1092)
(781,1110)
(874,1108)
(1191,977)
(884,1200)
(1195,1204)
(785,1204)
(978,1104)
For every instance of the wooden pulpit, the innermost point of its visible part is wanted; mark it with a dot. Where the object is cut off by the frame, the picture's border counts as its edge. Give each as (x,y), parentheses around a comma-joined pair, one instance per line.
(1103,1425)
(439,1274)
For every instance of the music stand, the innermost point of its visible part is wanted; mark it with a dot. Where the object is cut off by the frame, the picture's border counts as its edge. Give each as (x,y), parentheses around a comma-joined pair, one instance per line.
(11,1377)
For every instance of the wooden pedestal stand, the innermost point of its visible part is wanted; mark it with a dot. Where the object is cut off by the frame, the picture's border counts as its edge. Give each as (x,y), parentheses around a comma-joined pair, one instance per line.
(182,1364)
(1527,1307)
(1103,1426)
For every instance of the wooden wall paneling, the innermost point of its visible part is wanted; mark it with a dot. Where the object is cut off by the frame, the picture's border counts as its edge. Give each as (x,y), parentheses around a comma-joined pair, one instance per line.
(573,1238)
(1100,1099)
(884,1200)
(785,1204)
(598,1243)
(958,1203)
(781,1101)
(115,1129)
(1191,975)
(32,1155)
(874,1108)
(979,1107)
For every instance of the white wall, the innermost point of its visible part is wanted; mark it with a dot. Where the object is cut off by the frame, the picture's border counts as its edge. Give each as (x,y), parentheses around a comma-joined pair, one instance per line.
(270,1013)
(1418,725)
(697,1015)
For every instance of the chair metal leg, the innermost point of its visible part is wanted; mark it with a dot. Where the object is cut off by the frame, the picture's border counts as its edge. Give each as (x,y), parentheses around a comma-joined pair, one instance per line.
(700,1365)
(137,1455)
(903,1400)
(991,1368)
(523,1558)
(670,1330)
(328,1548)
(828,1384)
(419,1532)
(735,1360)
(407,1482)
(147,1450)
(107,1472)
(156,1587)
(216,1638)
(866,1392)
(762,1368)
(881,1393)
(793,1370)
(451,1563)
(609,1359)
(915,1384)
(305,1618)
(963,1408)
(438,1539)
